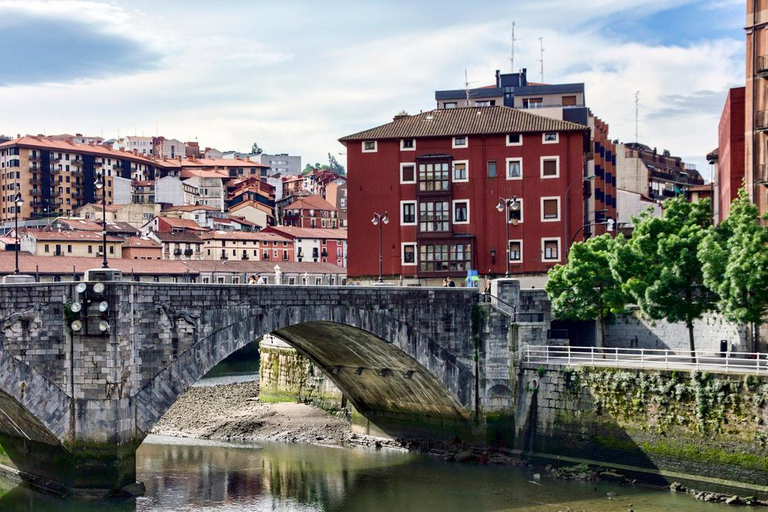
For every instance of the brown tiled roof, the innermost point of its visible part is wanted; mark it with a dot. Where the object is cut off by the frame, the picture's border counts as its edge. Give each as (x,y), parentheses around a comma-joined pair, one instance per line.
(311,203)
(243,235)
(294,232)
(70,236)
(182,223)
(46,143)
(465,121)
(177,236)
(79,224)
(190,208)
(62,265)
(121,227)
(142,243)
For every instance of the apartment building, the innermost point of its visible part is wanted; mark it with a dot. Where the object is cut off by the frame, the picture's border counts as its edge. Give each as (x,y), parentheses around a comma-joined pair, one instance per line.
(40,242)
(564,102)
(139,248)
(756,104)
(236,245)
(56,177)
(310,212)
(728,158)
(316,245)
(440,176)
(653,174)
(336,194)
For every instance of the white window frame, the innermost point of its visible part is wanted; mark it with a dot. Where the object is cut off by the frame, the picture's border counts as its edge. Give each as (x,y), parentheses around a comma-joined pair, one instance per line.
(453,142)
(521,210)
(557,167)
(453,171)
(415,172)
(453,211)
(559,249)
(509,252)
(415,254)
(545,141)
(450,104)
(514,143)
(559,212)
(415,213)
(403,148)
(506,168)
(375,146)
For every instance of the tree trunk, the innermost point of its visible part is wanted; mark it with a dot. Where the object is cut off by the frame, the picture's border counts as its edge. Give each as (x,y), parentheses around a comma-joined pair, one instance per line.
(602,331)
(691,344)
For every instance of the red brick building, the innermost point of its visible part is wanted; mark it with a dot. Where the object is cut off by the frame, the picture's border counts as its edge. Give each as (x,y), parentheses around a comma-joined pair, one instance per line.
(310,212)
(440,176)
(730,153)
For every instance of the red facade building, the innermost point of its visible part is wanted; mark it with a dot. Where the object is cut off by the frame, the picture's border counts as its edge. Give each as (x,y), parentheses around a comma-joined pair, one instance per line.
(730,155)
(440,176)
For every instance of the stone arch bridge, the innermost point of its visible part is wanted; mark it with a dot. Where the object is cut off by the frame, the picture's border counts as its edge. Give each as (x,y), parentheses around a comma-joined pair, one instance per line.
(86,373)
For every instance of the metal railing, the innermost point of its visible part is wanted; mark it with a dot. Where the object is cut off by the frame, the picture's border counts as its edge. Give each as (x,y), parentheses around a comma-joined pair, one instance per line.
(648,358)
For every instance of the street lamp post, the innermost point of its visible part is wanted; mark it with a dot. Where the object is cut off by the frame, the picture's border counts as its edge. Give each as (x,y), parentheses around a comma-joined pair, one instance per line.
(18,201)
(379,220)
(99,184)
(505,205)
(566,213)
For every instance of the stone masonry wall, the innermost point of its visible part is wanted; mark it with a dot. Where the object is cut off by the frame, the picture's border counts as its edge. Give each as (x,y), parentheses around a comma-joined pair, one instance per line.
(632,330)
(694,423)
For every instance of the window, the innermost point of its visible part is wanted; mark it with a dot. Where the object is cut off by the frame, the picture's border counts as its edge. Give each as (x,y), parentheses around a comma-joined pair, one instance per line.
(407,144)
(111,249)
(569,101)
(550,248)
(550,138)
(514,168)
(369,146)
(514,139)
(533,102)
(460,142)
(491,169)
(550,166)
(47,248)
(516,212)
(449,104)
(407,173)
(433,216)
(408,254)
(407,213)
(550,209)
(461,212)
(515,251)
(444,258)
(460,170)
(285,255)
(90,249)
(433,177)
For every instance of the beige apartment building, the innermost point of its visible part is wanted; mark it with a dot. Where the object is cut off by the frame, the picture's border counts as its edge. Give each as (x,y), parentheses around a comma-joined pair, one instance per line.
(69,243)
(756,104)
(239,245)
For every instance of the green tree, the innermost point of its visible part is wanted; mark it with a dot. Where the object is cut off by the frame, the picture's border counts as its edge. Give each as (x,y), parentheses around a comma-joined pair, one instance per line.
(735,263)
(585,288)
(335,166)
(255,149)
(659,266)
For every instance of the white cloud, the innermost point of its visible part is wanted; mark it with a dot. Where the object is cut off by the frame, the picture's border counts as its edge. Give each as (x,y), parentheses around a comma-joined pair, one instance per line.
(235,75)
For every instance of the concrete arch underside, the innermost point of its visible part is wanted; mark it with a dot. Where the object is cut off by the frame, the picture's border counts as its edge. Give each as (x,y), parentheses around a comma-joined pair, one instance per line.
(396,376)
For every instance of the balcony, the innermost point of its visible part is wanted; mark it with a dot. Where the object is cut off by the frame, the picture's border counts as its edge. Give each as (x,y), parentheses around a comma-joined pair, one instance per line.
(177,252)
(761,120)
(188,252)
(36,192)
(97,163)
(761,68)
(77,161)
(34,158)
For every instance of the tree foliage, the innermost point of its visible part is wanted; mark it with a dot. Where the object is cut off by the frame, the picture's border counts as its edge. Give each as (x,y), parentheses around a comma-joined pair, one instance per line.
(735,263)
(255,149)
(659,266)
(585,288)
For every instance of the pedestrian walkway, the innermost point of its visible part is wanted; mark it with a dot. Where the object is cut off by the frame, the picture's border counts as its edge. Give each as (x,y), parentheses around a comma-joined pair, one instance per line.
(657,359)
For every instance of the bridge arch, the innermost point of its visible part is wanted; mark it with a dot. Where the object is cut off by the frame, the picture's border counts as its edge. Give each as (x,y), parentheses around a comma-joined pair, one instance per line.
(393,373)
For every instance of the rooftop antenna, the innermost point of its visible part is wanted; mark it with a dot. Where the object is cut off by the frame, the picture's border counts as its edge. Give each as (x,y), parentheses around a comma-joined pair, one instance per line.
(541,60)
(466,85)
(512,54)
(637,115)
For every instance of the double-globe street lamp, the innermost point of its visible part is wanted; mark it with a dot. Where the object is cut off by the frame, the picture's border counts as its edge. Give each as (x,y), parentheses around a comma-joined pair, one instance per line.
(99,184)
(380,219)
(507,205)
(18,201)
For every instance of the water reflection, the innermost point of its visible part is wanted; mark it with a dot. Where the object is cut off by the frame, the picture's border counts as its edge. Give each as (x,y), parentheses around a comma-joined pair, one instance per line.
(185,475)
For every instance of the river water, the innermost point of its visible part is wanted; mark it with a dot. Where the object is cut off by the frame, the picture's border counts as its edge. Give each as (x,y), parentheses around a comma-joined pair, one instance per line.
(196,475)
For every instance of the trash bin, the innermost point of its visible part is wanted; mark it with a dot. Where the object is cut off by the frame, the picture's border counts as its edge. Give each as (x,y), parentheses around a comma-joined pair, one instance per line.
(723,348)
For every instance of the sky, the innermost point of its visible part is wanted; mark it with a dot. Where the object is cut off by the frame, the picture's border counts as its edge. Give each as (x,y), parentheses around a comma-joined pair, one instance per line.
(295,76)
